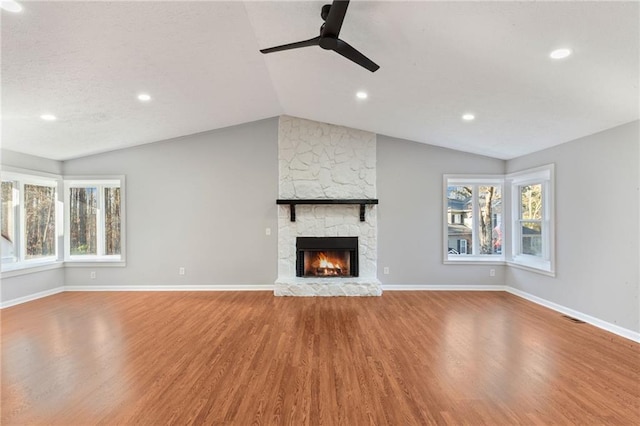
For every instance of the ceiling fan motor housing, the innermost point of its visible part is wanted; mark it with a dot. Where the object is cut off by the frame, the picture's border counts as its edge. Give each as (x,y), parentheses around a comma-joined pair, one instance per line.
(328,43)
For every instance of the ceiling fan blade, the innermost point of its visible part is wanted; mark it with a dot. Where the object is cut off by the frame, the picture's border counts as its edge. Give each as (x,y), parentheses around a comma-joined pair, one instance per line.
(345,49)
(311,42)
(333,23)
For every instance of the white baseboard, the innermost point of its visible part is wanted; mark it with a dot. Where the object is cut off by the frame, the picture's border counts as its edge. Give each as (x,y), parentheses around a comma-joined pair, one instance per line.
(607,326)
(428,287)
(29,298)
(229,287)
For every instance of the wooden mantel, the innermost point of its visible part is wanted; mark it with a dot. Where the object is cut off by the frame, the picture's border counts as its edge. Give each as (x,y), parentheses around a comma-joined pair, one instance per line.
(357,201)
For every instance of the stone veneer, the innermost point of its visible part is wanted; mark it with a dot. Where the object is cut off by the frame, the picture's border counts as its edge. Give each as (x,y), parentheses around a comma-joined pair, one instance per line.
(318,160)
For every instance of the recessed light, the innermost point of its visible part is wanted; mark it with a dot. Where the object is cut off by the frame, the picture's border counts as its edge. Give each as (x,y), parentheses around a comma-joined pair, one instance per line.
(48,117)
(468,117)
(362,95)
(560,53)
(10,6)
(144,97)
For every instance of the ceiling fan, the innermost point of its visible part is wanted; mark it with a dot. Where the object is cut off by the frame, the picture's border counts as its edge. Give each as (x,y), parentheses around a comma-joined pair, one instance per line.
(333,16)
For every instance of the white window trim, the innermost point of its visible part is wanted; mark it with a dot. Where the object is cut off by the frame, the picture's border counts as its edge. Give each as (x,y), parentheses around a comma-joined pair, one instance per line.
(29,266)
(469,259)
(110,181)
(544,175)
(511,234)
(32,177)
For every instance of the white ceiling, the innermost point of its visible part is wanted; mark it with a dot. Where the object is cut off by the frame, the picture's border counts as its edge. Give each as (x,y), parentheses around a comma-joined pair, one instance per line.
(85,62)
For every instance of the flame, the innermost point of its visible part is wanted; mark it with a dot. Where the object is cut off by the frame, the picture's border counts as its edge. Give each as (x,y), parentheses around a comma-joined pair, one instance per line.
(325,263)
(326,266)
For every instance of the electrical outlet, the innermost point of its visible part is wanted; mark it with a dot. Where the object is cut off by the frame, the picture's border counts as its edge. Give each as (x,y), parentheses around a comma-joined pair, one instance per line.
(93,275)
(267,231)
(492,272)
(385,270)
(181,270)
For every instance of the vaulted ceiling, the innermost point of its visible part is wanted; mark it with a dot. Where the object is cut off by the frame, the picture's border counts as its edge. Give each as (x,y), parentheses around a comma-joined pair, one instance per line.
(85,63)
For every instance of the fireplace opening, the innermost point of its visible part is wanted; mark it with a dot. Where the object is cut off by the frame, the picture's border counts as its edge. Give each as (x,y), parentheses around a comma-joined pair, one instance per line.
(327,264)
(327,257)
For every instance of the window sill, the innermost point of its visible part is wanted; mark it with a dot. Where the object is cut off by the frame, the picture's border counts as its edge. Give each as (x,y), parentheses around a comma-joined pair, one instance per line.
(12,270)
(531,268)
(543,268)
(475,260)
(93,263)
(24,269)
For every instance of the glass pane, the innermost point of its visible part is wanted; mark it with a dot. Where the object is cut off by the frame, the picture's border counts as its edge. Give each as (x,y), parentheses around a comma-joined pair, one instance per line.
(112,220)
(532,238)
(490,219)
(460,220)
(8,227)
(40,221)
(83,221)
(531,202)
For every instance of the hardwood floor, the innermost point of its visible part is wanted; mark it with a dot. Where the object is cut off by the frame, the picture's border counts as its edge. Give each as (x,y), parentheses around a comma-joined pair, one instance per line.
(245,358)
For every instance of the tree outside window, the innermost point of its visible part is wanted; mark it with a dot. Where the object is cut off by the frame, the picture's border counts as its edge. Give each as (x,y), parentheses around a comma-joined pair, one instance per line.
(40,221)
(94,230)
(83,228)
(28,217)
(474,218)
(112,221)
(531,219)
(93,217)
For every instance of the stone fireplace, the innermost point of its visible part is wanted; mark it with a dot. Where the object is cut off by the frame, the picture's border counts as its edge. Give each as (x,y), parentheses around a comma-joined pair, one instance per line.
(326,249)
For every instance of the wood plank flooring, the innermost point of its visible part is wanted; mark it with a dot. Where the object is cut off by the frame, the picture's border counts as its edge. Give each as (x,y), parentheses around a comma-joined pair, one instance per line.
(248,358)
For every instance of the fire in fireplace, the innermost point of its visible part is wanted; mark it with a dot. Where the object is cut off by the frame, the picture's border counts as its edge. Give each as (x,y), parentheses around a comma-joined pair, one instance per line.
(327,257)
(326,264)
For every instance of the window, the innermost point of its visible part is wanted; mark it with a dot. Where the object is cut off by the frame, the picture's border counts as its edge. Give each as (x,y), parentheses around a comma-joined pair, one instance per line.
(39,221)
(473,230)
(94,208)
(29,220)
(532,242)
(530,219)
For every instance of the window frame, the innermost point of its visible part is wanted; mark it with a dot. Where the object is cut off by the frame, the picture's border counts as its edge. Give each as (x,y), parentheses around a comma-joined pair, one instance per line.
(22,177)
(99,259)
(474,181)
(15,190)
(545,176)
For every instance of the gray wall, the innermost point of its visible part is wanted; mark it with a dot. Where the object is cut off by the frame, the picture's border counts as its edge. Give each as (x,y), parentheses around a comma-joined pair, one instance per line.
(204,201)
(596,227)
(31,283)
(201,201)
(30,162)
(410,213)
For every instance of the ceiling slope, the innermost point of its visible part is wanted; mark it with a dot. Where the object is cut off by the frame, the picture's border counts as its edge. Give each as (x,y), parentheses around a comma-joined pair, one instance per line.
(85,62)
